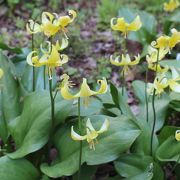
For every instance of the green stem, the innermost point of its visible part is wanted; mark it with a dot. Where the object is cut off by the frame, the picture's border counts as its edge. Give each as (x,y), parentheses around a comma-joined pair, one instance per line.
(123,82)
(154,111)
(175,165)
(80,130)
(33,85)
(44,77)
(52,116)
(146,97)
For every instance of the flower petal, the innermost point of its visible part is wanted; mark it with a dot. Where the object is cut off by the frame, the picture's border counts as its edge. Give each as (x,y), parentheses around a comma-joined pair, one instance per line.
(76,136)
(1,73)
(33,27)
(174,86)
(104,127)
(135,25)
(177,135)
(89,125)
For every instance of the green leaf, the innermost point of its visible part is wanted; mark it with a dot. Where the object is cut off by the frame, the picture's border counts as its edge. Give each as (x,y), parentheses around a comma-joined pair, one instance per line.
(10,96)
(94,107)
(175,17)
(169,150)
(31,130)
(118,139)
(10,49)
(175,99)
(166,132)
(170,63)
(142,145)
(140,167)
(20,169)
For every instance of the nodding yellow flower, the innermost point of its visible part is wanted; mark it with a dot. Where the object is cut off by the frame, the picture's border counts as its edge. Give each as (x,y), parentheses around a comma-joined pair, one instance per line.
(173,84)
(91,133)
(125,61)
(124,27)
(151,59)
(50,58)
(171,5)
(159,84)
(167,42)
(84,92)
(177,135)
(51,23)
(1,73)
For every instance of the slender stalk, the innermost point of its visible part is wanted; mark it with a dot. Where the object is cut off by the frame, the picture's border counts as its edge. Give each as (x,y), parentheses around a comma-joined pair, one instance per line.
(52,116)
(44,76)
(123,82)
(33,85)
(153,106)
(146,97)
(175,165)
(80,130)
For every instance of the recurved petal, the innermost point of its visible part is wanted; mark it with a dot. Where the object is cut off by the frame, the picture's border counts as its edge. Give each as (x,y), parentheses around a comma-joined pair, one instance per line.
(1,73)
(136,61)
(30,57)
(135,25)
(174,86)
(76,136)
(65,92)
(104,86)
(104,126)
(64,44)
(85,90)
(115,61)
(175,74)
(33,27)
(47,17)
(72,14)
(89,125)
(177,135)
(63,59)
(120,24)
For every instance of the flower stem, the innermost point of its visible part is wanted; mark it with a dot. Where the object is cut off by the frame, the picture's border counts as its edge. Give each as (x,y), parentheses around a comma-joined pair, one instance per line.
(146,97)
(44,76)
(52,116)
(80,130)
(123,82)
(32,44)
(154,111)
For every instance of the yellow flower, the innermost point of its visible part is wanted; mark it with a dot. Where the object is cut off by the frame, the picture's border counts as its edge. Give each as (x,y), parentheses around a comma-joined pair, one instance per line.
(151,59)
(124,27)
(50,58)
(159,84)
(167,42)
(173,84)
(85,90)
(1,73)
(171,5)
(91,133)
(177,135)
(125,61)
(51,23)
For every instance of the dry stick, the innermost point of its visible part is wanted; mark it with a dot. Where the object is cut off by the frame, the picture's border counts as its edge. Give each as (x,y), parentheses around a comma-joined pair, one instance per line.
(80,130)
(154,111)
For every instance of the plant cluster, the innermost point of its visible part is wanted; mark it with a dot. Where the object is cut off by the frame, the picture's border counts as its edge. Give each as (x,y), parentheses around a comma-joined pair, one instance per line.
(50,129)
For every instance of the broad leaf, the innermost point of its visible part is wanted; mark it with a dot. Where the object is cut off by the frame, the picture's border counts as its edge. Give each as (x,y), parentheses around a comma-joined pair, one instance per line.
(31,130)
(169,150)
(20,169)
(119,137)
(10,91)
(140,167)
